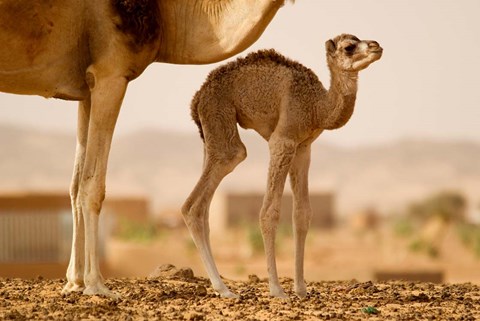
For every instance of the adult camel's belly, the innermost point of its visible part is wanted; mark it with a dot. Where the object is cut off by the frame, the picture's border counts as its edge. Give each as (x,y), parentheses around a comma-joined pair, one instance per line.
(42,49)
(57,78)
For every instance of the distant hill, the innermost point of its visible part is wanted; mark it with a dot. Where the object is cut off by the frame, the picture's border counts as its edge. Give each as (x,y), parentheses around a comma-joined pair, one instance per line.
(166,165)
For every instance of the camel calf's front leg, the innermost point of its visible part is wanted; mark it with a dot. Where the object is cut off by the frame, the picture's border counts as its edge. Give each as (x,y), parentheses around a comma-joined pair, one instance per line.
(302,212)
(281,156)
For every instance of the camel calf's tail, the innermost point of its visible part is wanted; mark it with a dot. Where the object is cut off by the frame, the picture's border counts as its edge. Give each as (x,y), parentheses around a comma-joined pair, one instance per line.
(194,113)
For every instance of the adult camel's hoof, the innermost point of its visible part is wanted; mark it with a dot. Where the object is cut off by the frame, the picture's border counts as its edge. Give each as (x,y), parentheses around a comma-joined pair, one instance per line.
(73,287)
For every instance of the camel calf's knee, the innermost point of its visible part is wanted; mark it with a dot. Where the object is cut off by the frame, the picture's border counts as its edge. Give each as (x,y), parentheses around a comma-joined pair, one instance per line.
(193,211)
(236,156)
(269,218)
(302,220)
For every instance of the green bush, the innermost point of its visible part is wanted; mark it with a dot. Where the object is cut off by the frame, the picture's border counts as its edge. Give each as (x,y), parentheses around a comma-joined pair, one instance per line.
(140,232)
(403,227)
(255,239)
(469,234)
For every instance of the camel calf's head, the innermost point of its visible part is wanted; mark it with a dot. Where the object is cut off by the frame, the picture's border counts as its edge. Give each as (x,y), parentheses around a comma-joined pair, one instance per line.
(348,53)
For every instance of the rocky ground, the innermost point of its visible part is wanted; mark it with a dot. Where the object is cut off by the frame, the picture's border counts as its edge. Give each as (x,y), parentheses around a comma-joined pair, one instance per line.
(175,294)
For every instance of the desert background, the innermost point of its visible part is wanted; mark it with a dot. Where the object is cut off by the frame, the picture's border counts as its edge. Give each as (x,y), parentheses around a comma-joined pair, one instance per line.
(403,175)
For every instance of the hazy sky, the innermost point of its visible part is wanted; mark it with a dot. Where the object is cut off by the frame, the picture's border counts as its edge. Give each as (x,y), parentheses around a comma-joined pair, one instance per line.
(426,85)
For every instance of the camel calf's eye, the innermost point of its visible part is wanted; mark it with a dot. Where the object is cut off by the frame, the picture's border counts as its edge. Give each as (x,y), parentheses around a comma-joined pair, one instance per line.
(350,49)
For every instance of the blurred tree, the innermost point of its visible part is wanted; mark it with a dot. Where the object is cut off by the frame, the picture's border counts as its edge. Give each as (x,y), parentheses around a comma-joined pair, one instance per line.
(434,216)
(449,206)
(470,236)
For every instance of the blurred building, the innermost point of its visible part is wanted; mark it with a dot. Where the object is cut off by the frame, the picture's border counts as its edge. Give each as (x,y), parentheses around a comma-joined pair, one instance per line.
(36,230)
(120,210)
(365,220)
(229,210)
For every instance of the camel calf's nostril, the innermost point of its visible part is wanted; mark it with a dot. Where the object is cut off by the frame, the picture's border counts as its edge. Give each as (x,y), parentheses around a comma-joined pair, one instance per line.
(373,44)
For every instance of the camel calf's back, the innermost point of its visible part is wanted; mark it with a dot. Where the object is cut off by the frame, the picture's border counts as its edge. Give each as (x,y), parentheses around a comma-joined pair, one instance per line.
(259,89)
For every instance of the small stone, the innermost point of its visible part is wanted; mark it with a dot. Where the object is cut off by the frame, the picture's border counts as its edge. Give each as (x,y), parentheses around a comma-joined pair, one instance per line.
(162,271)
(193,316)
(252,278)
(201,290)
(185,273)
(170,271)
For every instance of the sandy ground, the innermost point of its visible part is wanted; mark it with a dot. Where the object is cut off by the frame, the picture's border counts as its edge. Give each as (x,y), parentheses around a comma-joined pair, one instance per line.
(181,296)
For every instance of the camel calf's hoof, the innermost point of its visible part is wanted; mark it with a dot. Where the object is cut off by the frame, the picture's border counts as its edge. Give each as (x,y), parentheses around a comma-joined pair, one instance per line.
(301,293)
(100,289)
(277,292)
(301,289)
(226,293)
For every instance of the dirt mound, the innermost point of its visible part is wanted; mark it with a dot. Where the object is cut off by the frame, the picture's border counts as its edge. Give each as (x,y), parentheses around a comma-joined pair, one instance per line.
(179,298)
(169,271)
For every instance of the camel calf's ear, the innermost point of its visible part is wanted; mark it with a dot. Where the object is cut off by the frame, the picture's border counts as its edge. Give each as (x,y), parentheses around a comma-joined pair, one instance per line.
(330,46)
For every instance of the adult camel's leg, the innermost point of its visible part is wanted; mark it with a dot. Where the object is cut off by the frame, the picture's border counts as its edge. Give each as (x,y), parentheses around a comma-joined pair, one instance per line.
(281,155)
(75,269)
(302,212)
(107,93)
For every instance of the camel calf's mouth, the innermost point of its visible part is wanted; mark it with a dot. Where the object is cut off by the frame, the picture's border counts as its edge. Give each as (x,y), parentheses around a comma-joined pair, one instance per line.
(374,47)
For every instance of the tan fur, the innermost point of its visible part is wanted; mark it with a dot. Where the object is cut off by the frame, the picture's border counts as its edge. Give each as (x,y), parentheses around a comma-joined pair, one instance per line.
(89,50)
(285,103)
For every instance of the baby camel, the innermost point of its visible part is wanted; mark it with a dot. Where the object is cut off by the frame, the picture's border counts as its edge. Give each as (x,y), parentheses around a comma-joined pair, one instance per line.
(288,106)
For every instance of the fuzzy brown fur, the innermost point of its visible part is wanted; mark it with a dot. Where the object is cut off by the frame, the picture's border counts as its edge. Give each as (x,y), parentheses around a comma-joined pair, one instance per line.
(262,57)
(303,77)
(194,113)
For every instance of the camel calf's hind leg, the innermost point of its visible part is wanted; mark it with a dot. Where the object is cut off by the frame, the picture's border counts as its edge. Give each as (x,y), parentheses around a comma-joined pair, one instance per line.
(223,152)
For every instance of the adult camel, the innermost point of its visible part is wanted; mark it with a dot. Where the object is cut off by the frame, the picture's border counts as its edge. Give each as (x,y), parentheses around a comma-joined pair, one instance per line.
(88,51)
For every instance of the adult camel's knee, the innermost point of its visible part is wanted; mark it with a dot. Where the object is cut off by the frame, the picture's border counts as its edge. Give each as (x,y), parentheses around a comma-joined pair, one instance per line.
(74,192)
(91,196)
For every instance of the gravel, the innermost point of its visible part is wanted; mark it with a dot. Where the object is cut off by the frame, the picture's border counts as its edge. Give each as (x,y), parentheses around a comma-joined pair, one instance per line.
(181,296)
